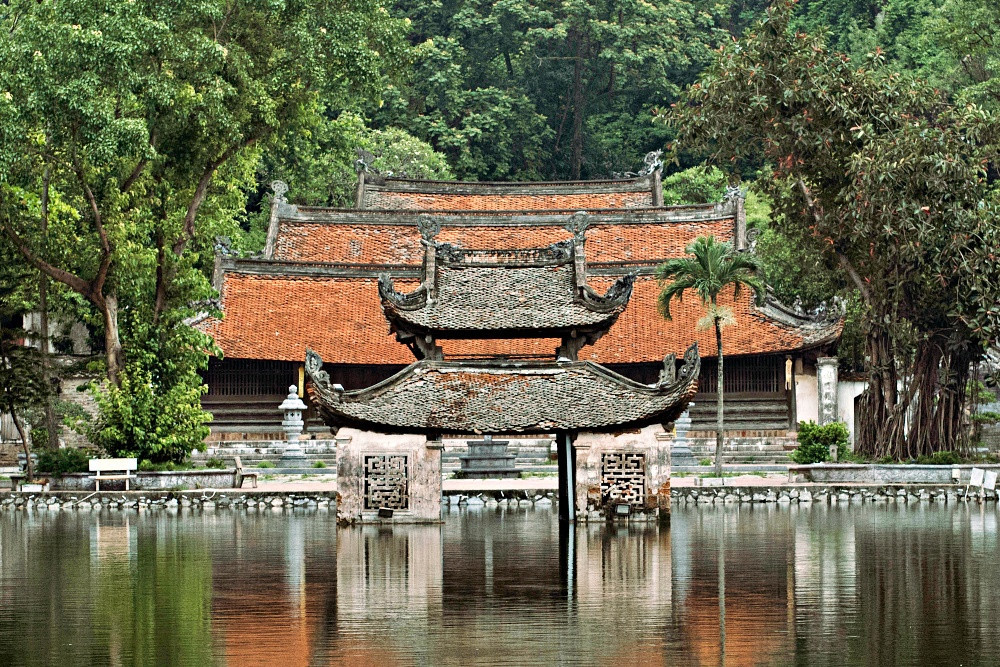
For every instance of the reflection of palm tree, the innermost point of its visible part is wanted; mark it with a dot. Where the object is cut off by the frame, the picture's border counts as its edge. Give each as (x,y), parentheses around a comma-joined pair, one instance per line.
(722,590)
(711,267)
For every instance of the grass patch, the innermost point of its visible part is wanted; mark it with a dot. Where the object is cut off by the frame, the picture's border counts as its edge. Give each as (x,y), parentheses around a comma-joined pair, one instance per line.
(265,464)
(319,464)
(266,478)
(705,462)
(528,474)
(215,463)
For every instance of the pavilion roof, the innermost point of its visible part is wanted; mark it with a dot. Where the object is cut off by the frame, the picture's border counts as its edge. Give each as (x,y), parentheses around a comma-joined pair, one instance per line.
(531,293)
(489,396)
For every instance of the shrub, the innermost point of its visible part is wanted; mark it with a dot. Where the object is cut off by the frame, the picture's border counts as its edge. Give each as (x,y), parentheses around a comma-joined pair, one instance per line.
(215,462)
(145,420)
(265,464)
(815,440)
(940,459)
(319,464)
(63,461)
(705,462)
(145,465)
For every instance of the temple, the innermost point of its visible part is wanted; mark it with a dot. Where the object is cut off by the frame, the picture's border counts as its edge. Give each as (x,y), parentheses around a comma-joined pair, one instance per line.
(533,293)
(411,272)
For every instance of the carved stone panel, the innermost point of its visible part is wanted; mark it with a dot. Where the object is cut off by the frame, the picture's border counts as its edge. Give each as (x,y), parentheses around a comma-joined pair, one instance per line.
(623,478)
(386,481)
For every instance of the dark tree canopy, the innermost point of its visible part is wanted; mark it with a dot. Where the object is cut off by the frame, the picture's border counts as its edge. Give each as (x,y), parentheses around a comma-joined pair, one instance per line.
(892,179)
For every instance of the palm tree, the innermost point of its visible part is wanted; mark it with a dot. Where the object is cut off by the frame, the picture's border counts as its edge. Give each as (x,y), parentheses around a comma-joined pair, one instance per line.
(710,267)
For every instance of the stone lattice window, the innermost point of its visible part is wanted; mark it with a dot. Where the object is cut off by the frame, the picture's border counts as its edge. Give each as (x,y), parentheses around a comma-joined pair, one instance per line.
(386,481)
(623,478)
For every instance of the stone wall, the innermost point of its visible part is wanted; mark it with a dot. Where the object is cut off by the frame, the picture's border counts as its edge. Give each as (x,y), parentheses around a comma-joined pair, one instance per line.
(627,468)
(829,494)
(375,471)
(852,473)
(145,481)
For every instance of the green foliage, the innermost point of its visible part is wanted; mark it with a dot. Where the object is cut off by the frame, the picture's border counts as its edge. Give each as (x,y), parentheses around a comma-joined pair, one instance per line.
(148,420)
(146,465)
(943,458)
(530,89)
(63,461)
(815,442)
(711,266)
(215,462)
(705,462)
(265,464)
(319,464)
(695,185)
(892,182)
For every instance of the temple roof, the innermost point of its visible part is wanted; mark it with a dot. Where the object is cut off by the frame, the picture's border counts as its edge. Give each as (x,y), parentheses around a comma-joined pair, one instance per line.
(404,193)
(300,233)
(318,284)
(506,397)
(485,293)
(275,310)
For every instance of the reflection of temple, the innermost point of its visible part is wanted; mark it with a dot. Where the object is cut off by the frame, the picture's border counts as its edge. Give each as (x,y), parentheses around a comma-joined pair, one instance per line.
(874,584)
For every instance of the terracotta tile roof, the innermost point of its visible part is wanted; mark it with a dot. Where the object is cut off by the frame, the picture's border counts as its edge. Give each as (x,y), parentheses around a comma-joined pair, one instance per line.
(504,397)
(278,316)
(400,244)
(403,194)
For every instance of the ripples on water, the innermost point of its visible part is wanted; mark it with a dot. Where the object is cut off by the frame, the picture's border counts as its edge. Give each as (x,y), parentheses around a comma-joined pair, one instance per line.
(816,585)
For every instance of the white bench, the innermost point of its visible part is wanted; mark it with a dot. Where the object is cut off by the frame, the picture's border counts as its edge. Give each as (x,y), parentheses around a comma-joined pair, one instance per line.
(118,469)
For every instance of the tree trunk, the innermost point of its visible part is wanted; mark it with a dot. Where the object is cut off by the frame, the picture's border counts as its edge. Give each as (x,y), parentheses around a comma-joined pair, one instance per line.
(51,427)
(29,468)
(576,144)
(52,440)
(719,433)
(112,343)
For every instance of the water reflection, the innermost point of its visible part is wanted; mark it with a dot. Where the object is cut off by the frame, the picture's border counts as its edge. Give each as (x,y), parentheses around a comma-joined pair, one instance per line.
(751,585)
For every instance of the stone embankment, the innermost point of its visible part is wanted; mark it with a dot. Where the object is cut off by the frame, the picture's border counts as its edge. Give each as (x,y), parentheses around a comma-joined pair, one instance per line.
(270,499)
(826,493)
(139,500)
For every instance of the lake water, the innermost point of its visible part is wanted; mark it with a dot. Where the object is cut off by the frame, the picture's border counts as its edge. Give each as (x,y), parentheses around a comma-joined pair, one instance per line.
(811,585)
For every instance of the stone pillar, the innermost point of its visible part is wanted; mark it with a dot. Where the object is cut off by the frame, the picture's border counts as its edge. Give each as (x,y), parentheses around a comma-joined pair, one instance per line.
(826,385)
(624,469)
(387,478)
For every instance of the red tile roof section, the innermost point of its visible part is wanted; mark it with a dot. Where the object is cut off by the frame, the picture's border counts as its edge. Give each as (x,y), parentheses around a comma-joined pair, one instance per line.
(400,244)
(277,317)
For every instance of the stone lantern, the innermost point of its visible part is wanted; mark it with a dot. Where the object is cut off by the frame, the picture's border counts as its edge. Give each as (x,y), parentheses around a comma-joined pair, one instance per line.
(292,424)
(680,451)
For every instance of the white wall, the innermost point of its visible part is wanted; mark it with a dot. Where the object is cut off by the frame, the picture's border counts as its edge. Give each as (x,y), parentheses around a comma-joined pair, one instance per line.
(806,394)
(847,391)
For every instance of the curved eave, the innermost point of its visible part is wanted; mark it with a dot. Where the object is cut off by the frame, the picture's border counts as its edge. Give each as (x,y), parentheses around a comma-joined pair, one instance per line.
(460,397)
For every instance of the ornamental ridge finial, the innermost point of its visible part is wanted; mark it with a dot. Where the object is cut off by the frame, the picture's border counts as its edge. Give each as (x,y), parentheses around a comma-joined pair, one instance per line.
(577,225)
(279,188)
(652,162)
(428,226)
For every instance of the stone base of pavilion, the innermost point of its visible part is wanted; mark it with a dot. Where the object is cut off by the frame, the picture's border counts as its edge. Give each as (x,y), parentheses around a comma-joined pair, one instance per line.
(623,476)
(385,478)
